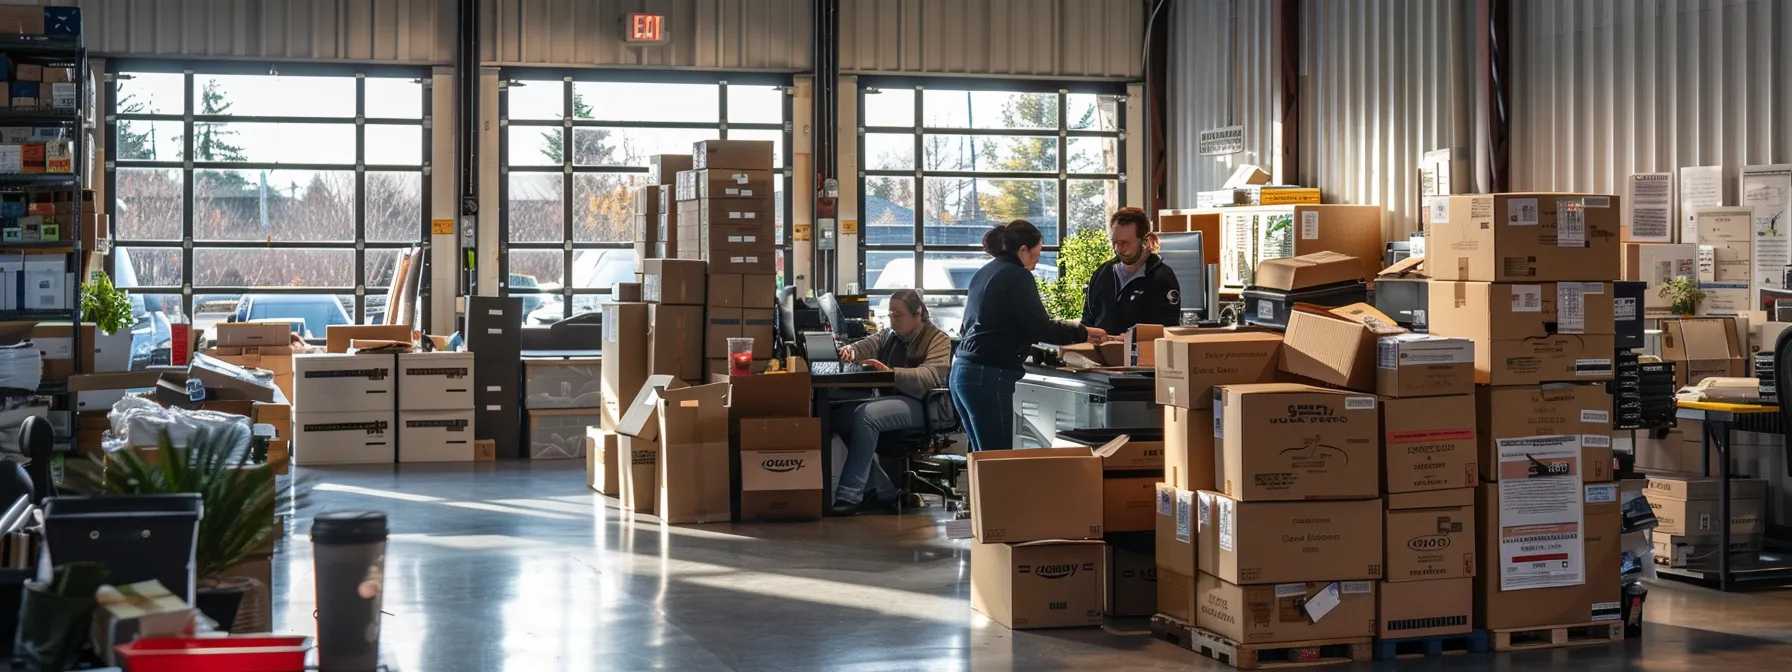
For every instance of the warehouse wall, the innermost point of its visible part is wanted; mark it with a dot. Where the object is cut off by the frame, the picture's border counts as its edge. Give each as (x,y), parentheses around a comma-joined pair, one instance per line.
(1606,88)
(1383,82)
(408,31)
(1223,71)
(713,34)
(1022,38)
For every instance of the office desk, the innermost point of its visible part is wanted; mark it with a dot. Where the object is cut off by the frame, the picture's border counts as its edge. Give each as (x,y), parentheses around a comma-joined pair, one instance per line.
(824,393)
(1719,419)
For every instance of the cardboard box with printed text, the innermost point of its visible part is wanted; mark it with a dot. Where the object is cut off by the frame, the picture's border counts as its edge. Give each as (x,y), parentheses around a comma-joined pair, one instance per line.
(1429,443)
(1188,366)
(1282,441)
(1430,535)
(1041,584)
(1285,612)
(1253,543)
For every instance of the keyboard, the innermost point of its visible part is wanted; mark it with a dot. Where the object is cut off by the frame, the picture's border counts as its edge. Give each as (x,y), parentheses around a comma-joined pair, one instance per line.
(836,368)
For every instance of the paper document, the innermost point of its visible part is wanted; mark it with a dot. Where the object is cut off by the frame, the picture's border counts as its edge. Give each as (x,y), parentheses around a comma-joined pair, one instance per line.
(1651,199)
(1700,187)
(1540,514)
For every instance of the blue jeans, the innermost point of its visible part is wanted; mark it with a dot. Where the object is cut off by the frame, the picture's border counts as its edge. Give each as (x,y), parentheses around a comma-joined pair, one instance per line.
(869,421)
(984,398)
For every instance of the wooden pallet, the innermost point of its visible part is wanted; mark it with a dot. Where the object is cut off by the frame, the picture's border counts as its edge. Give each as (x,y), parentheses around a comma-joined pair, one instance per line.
(1473,641)
(1556,636)
(1278,655)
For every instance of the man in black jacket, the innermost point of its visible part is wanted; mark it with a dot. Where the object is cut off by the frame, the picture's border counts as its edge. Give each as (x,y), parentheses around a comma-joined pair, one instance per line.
(1135,287)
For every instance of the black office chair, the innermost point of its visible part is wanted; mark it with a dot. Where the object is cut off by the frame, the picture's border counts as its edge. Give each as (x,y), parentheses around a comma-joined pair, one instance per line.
(921,457)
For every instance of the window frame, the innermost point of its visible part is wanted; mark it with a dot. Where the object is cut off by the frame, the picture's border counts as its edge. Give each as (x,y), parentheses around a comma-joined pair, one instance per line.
(568,246)
(119,69)
(918,247)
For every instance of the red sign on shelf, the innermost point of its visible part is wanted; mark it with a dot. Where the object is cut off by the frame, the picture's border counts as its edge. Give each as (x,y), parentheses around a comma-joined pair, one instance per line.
(645,27)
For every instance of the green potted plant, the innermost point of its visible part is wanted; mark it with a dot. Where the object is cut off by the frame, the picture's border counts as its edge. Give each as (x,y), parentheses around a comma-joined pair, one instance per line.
(239,499)
(1684,293)
(109,309)
(1084,251)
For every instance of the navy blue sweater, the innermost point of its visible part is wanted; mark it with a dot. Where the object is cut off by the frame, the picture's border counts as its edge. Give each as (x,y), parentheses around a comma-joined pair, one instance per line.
(1003,316)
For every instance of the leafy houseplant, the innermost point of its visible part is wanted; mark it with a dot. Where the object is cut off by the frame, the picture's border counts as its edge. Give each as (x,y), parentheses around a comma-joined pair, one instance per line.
(1084,251)
(1685,294)
(239,499)
(108,307)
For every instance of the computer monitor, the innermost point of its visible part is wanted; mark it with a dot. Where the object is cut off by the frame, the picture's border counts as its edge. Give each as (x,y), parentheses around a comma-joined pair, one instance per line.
(1182,253)
(787,314)
(830,312)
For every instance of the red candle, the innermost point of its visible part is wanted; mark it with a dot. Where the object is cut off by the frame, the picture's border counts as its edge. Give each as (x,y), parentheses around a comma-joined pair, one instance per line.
(740,363)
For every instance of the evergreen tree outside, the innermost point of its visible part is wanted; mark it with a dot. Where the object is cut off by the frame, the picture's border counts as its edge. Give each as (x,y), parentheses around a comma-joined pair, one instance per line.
(213,141)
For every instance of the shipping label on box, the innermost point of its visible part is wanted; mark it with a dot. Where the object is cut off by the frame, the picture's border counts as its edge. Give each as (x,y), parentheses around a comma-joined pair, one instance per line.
(1418,365)
(1430,443)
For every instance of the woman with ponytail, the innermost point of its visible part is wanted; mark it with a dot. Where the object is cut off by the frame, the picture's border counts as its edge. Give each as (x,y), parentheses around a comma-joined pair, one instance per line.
(1003,316)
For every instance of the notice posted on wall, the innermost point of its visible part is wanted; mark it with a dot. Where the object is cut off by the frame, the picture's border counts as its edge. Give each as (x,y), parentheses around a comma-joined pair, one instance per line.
(1768,191)
(1540,514)
(1651,201)
(1700,187)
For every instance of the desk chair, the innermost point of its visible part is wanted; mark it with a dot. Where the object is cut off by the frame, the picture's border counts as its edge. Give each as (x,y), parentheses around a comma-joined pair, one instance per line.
(920,456)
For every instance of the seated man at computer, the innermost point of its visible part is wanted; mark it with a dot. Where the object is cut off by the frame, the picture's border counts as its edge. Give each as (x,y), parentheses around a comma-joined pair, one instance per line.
(920,355)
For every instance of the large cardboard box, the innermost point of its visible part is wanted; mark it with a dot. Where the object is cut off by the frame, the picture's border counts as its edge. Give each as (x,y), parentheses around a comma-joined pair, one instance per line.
(638,481)
(55,343)
(1176,595)
(715,213)
(694,459)
(1336,346)
(625,365)
(1525,237)
(1596,600)
(275,359)
(1701,551)
(1430,535)
(1425,608)
(662,169)
(747,154)
(1285,612)
(339,337)
(673,281)
(1044,584)
(1702,517)
(1308,270)
(1698,488)
(343,437)
(435,436)
(1429,443)
(1701,348)
(1177,531)
(1188,366)
(1282,441)
(343,383)
(1188,448)
(717,183)
(602,449)
(1424,365)
(562,383)
(254,334)
(1484,311)
(1279,542)
(675,345)
(780,466)
(1657,263)
(1030,495)
(1131,584)
(431,381)
(1127,504)
(1526,412)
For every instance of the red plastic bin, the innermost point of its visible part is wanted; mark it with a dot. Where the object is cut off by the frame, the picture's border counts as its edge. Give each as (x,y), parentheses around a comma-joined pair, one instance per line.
(215,654)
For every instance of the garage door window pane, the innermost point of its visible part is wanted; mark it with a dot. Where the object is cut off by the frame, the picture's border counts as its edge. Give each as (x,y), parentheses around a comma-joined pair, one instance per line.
(534,145)
(990,109)
(148,266)
(152,203)
(1092,202)
(277,205)
(1092,112)
(755,104)
(394,207)
(889,210)
(152,93)
(889,270)
(394,98)
(536,100)
(541,269)
(991,153)
(261,142)
(890,107)
(536,208)
(603,206)
(959,209)
(631,146)
(889,151)
(634,101)
(274,96)
(273,268)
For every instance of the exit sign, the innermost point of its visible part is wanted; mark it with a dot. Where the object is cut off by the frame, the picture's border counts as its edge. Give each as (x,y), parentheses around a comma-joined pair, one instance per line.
(644,28)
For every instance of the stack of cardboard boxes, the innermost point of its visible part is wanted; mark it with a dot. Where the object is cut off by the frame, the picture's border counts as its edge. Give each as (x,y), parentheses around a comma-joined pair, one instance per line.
(343,409)
(1038,560)
(727,216)
(435,407)
(777,447)
(675,294)
(1526,278)
(1686,508)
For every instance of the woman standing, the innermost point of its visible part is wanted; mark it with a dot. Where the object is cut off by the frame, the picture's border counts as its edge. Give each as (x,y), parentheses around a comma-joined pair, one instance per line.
(1002,317)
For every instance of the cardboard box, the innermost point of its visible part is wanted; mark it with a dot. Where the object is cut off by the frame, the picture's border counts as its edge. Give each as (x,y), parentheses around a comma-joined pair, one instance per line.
(430,381)
(1308,270)
(337,337)
(22,20)
(1177,529)
(626,340)
(1527,411)
(435,436)
(1176,595)
(1044,584)
(1526,237)
(1429,443)
(602,448)
(1699,488)
(485,450)
(1657,263)
(1188,448)
(662,169)
(694,458)
(1337,346)
(1701,517)
(719,325)
(559,433)
(1127,504)
(1284,612)
(725,290)
(1424,365)
(673,281)
(747,154)
(1188,366)
(1596,600)
(725,184)
(1701,551)
(562,383)
(627,292)
(780,466)
(274,359)
(1411,609)
(1430,535)
(341,382)
(1252,543)
(639,482)
(1030,495)
(675,347)
(1131,583)
(1140,343)
(254,334)
(777,395)
(752,263)
(55,343)
(343,437)
(1701,348)
(28,72)
(1281,441)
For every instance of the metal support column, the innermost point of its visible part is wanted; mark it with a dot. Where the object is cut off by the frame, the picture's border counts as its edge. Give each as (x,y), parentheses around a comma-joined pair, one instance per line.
(466,140)
(822,128)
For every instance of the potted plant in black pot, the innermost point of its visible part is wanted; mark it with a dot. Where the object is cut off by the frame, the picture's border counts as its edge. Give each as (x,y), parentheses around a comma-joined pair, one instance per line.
(239,499)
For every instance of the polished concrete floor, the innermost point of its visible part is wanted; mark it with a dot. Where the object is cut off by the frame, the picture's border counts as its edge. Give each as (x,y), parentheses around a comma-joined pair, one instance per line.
(516,567)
